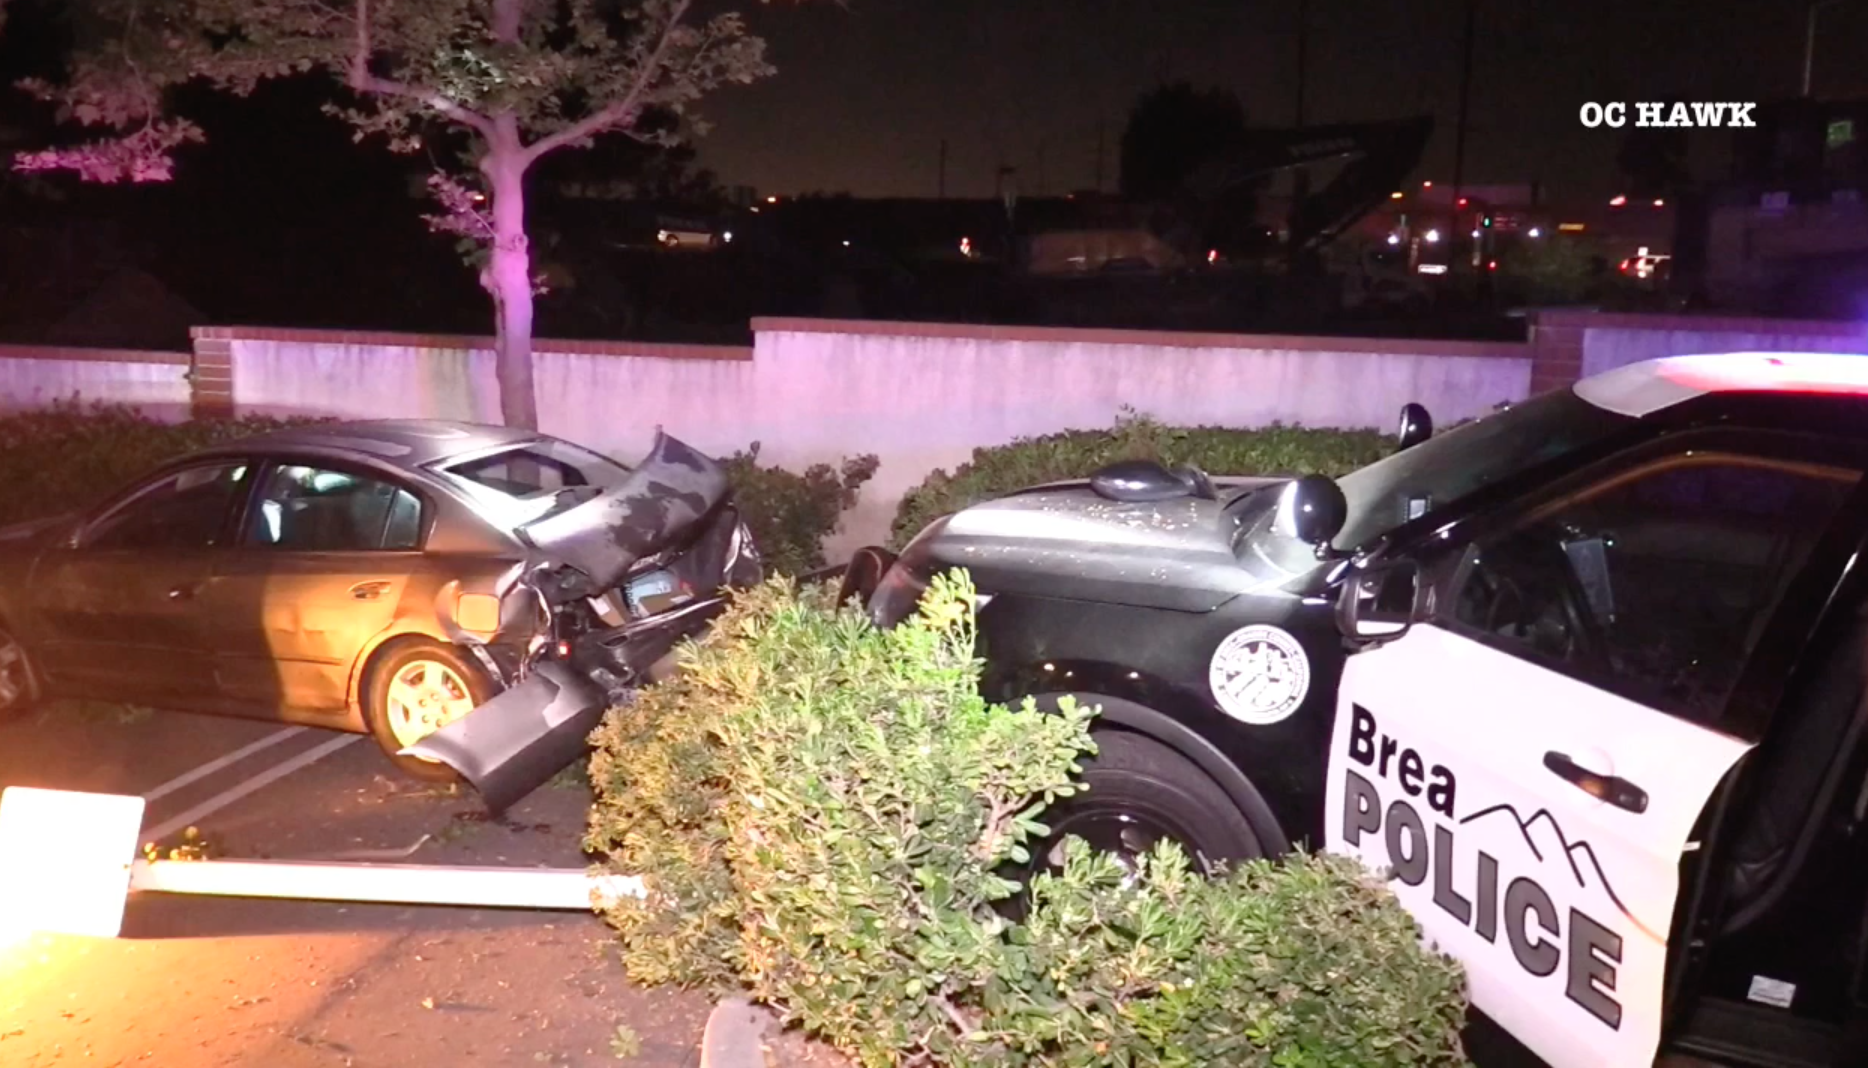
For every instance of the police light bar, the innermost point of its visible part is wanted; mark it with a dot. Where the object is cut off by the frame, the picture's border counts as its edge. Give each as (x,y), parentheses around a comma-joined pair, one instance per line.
(1777,372)
(82,866)
(1639,389)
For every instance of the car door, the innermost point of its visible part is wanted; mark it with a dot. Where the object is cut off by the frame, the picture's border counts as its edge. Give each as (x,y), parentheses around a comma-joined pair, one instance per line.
(118,612)
(1532,754)
(324,555)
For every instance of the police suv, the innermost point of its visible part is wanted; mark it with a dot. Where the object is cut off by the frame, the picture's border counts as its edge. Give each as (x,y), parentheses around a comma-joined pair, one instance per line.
(1587,675)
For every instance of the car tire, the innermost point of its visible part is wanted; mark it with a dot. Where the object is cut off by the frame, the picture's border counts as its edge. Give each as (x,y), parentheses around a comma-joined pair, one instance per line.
(399,679)
(1138,784)
(19,685)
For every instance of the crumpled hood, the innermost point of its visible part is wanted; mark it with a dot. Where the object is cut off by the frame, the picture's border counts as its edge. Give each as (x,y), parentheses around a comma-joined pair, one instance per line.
(1065,540)
(670,491)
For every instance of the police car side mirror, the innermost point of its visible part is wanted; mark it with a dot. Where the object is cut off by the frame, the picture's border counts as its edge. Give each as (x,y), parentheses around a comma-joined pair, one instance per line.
(1313,510)
(1377,604)
(1416,426)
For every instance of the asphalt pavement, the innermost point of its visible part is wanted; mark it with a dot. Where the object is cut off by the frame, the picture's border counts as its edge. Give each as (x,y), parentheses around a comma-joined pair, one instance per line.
(209,982)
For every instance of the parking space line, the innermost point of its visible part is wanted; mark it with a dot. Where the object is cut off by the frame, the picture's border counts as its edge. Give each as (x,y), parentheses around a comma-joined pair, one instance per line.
(217,764)
(263,779)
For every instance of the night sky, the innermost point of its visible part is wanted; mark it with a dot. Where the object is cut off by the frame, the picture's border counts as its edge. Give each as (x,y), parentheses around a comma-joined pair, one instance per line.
(865,93)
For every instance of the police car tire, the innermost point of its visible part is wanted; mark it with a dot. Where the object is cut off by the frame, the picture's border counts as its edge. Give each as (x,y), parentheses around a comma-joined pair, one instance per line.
(1135,769)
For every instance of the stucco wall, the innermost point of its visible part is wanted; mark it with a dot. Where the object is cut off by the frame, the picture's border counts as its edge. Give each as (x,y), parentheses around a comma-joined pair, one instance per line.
(919,396)
(924,397)
(1611,341)
(34,377)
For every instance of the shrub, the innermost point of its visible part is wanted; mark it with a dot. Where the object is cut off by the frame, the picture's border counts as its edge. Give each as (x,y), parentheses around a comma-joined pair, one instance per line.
(1025,462)
(67,456)
(791,514)
(820,812)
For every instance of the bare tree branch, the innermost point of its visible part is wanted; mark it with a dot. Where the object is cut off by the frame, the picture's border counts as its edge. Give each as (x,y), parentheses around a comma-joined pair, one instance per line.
(622,110)
(363,81)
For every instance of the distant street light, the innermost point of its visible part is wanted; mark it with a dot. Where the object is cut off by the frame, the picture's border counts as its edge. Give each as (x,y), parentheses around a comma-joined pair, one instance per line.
(1433,237)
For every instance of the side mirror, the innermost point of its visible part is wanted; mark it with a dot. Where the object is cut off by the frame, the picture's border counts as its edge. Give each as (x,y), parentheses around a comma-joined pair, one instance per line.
(1312,510)
(1378,604)
(1416,426)
(864,574)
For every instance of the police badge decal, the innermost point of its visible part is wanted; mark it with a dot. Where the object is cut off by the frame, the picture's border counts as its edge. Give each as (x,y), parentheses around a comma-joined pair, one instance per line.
(1259,675)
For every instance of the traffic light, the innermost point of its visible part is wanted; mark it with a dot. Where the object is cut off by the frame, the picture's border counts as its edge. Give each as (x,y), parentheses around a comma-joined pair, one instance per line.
(1486,222)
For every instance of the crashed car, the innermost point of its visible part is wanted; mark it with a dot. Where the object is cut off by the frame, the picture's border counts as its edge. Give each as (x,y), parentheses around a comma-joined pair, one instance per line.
(609,587)
(382,577)
(1586,676)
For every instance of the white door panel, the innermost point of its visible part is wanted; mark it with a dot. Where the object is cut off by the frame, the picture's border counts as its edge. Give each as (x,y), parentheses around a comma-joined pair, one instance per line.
(1557,902)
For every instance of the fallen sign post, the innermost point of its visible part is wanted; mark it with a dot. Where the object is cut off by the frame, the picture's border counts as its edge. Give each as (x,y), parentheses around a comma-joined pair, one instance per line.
(74,867)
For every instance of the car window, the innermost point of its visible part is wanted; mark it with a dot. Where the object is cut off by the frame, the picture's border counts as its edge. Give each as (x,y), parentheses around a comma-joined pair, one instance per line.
(1654,582)
(312,509)
(540,468)
(1462,460)
(522,484)
(184,510)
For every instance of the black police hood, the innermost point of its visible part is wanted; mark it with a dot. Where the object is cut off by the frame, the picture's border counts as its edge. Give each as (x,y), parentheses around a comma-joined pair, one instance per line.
(1066,540)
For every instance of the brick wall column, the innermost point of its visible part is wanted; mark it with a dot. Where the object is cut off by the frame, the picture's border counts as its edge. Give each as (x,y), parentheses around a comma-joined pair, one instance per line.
(210,378)
(1556,350)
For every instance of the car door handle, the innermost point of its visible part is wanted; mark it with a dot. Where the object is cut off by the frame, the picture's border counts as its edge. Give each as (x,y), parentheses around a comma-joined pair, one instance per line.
(369,591)
(1616,791)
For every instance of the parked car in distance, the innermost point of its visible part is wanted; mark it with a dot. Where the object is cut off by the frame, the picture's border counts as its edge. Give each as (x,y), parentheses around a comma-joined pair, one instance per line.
(307,575)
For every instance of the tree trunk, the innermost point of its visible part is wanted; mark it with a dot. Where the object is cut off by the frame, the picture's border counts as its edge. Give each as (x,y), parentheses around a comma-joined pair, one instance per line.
(508,276)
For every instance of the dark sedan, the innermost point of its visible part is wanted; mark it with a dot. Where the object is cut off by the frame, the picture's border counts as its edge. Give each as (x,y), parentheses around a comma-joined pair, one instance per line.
(301,575)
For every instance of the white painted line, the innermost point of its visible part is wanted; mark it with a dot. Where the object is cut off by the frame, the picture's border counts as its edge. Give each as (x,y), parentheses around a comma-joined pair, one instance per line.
(217,764)
(258,782)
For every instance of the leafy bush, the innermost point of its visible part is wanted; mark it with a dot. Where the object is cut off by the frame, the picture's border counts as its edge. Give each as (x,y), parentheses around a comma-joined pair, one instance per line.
(1025,462)
(67,456)
(791,514)
(820,811)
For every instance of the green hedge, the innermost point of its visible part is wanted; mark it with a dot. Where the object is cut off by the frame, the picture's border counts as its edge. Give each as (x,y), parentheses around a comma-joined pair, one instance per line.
(67,456)
(819,811)
(1002,469)
(791,514)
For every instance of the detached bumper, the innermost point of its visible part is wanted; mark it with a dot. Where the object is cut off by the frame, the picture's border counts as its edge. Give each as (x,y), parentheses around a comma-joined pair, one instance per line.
(514,743)
(511,745)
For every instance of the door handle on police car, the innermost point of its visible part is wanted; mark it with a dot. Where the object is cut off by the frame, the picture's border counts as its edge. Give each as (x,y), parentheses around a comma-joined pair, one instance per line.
(1616,791)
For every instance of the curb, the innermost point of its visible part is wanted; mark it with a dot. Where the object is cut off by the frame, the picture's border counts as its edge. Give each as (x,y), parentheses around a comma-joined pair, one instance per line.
(735,1035)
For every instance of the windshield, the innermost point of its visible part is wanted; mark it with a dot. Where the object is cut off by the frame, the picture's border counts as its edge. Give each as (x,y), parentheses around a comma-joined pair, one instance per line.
(1464,459)
(538,478)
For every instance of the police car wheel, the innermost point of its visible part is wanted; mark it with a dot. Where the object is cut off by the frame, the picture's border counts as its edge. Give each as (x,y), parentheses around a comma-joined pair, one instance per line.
(1140,792)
